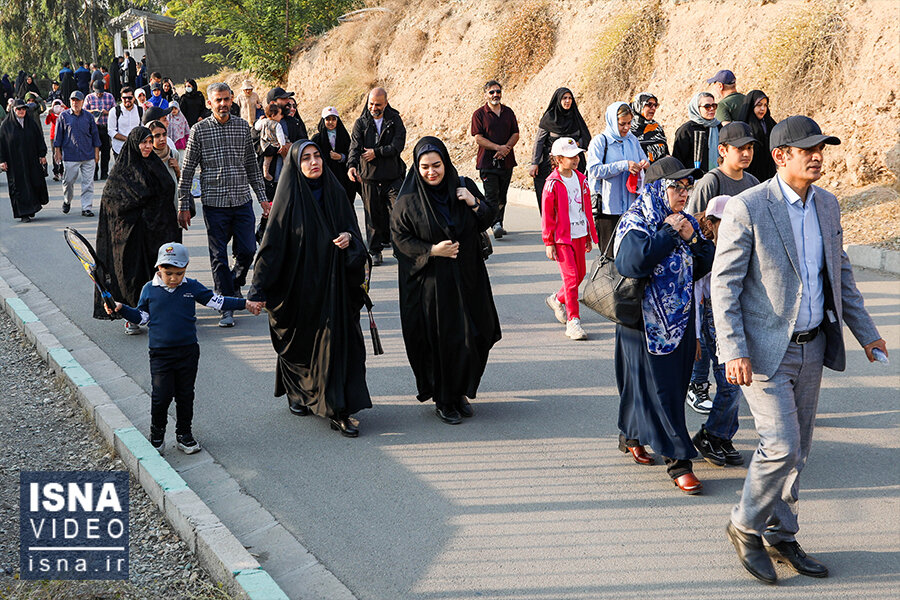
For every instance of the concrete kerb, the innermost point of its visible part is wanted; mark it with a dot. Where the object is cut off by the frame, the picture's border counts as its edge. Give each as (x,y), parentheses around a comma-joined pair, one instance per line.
(223,556)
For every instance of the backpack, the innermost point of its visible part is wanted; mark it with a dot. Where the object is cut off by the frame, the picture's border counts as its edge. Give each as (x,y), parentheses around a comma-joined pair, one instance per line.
(119,114)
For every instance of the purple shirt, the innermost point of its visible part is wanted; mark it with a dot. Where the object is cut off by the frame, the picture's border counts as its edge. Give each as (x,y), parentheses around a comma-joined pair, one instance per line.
(76,135)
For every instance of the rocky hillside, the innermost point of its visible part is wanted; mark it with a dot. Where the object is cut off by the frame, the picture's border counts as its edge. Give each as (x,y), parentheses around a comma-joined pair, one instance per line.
(837,61)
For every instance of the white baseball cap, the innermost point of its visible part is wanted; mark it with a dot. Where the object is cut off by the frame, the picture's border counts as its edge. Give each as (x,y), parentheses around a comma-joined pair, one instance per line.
(565,146)
(173,253)
(716,206)
(330,111)
(248,85)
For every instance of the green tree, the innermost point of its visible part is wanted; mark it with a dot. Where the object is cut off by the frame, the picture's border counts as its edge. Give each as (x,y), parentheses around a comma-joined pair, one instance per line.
(258,35)
(39,35)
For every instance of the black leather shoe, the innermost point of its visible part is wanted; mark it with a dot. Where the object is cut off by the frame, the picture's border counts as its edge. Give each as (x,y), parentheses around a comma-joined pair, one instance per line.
(791,554)
(448,415)
(465,409)
(752,554)
(377,259)
(345,426)
(298,409)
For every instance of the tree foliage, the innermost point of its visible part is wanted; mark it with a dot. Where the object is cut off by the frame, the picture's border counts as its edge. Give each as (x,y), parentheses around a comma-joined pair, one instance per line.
(39,35)
(258,35)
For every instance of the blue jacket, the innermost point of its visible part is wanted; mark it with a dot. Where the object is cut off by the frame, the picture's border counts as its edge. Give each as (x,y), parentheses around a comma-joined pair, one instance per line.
(76,135)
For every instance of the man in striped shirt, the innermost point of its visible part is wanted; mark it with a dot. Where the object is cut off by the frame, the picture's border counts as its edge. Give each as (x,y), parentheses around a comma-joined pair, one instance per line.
(99,104)
(221,147)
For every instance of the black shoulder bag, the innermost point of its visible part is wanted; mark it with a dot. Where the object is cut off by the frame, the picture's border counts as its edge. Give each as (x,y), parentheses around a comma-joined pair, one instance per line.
(611,294)
(487,248)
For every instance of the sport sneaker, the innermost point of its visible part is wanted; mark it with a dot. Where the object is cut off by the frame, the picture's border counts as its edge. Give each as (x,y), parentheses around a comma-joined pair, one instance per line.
(574,330)
(498,231)
(66,207)
(708,449)
(132,328)
(559,309)
(87,213)
(187,444)
(732,456)
(227,319)
(698,397)
(157,440)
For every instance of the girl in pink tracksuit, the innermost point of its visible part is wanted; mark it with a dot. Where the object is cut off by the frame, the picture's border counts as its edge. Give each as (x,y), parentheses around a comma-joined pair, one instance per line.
(568,231)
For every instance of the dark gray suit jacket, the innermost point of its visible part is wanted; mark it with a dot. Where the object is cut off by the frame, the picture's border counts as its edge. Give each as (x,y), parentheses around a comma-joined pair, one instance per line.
(756,289)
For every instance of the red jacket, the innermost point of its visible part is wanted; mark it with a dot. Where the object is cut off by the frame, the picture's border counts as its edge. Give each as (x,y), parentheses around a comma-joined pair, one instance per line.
(555,209)
(51,119)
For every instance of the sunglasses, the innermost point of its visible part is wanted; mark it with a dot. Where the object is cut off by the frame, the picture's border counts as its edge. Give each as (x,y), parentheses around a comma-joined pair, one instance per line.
(681,188)
(707,106)
(495,92)
(652,104)
(127,97)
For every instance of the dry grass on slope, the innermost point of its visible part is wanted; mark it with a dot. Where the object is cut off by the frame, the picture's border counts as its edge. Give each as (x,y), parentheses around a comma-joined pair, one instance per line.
(621,60)
(804,56)
(523,44)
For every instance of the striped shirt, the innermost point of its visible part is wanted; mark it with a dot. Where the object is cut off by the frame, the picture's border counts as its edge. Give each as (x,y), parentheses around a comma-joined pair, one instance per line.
(227,161)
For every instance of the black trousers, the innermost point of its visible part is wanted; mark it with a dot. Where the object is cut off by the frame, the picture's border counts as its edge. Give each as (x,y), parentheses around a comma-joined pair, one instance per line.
(237,225)
(496,188)
(173,371)
(105,147)
(378,200)
(606,230)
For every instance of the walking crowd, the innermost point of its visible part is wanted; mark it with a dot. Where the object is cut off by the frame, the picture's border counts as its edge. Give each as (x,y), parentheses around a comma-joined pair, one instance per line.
(738,255)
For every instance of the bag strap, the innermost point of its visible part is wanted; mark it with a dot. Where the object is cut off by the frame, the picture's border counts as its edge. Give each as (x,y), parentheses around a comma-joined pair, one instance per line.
(612,238)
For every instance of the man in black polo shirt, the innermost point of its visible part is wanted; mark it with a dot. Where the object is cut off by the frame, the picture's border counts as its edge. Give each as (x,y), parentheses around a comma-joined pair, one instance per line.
(496,130)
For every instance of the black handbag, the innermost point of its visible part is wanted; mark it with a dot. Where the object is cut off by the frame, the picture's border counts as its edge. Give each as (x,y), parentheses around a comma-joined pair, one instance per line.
(612,295)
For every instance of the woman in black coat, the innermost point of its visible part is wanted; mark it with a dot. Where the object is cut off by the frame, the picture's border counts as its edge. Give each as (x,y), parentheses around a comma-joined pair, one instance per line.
(23,156)
(192,102)
(447,310)
(697,141)
(561,119)
(334,139)
(137,216)
(309,271)
(755,112)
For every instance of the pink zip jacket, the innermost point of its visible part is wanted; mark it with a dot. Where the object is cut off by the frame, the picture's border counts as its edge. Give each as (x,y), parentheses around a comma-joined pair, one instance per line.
(555,210)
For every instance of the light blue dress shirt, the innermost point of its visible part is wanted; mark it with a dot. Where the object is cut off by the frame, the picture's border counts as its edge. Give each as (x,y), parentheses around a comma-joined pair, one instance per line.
(811,252)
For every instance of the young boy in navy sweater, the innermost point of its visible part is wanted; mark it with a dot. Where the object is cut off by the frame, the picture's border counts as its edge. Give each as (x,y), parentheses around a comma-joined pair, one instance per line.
(167,304)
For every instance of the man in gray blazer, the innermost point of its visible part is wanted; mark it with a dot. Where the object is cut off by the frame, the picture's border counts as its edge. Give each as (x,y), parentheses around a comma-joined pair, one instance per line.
(782,289)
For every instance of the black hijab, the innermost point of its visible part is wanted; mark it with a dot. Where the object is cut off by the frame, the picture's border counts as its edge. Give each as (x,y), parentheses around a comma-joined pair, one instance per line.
(20,79)
(343,137)
(564,122)
(762,167)
(137,216)
(67,86)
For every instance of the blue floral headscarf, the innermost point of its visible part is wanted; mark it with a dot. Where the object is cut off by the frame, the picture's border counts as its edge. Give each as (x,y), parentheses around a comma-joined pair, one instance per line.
(668,297)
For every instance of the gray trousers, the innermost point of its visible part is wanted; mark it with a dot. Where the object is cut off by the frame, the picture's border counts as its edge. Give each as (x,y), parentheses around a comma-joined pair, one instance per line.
(784,410)
(85,169)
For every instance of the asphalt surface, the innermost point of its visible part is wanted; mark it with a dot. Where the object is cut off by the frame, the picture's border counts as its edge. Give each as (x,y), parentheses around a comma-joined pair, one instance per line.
(529,499)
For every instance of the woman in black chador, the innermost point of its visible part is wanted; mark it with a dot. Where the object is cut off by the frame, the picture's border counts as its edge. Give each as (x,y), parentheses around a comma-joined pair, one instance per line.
(332,136)
(23,156)
(446,307)
(137,216)
(309,271)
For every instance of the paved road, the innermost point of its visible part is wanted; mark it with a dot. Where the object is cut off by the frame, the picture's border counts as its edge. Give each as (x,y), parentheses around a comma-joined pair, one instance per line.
(530,499)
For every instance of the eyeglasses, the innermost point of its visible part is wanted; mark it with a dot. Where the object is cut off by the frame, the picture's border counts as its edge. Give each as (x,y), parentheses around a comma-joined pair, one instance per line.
(708,106)
(682,189)
(495,92)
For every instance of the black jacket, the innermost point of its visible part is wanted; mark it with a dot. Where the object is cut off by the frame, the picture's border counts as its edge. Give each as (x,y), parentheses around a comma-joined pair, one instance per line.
(692,140)
(387,166)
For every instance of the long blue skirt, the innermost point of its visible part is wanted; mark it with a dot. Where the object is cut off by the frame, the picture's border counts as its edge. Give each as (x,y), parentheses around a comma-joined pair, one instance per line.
(652,390)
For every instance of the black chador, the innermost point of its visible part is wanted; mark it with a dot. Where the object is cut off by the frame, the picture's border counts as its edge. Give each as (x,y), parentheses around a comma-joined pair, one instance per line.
(21,148)
(313,293)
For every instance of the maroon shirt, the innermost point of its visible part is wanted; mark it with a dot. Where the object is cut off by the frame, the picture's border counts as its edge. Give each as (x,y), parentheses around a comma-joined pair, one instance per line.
(496,128)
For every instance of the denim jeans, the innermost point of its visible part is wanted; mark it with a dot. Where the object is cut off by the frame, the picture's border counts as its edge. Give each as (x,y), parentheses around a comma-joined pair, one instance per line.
(700,372)
(722,421)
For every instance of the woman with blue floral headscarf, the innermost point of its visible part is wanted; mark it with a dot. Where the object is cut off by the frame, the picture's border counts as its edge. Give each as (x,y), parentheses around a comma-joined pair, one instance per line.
(656,240)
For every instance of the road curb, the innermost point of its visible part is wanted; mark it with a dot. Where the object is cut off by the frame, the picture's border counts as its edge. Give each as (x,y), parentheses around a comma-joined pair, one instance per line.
(217,549)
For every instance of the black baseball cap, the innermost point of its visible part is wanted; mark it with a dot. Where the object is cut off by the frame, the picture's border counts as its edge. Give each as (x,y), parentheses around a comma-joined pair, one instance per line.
(669,168)
(799,131)
(277,93)
(20,104)
(724,76)
(736,133)
(98,85)
(155,113)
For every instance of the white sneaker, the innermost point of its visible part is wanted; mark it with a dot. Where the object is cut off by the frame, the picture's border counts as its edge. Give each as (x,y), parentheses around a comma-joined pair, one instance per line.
(559,309)
(131,328)
(574,330)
